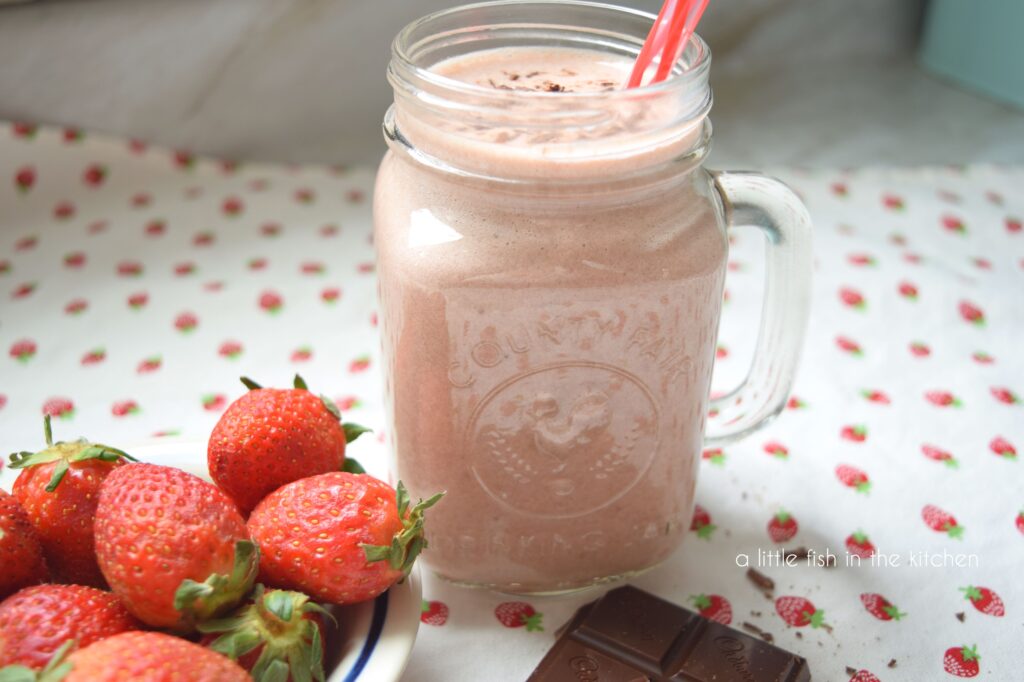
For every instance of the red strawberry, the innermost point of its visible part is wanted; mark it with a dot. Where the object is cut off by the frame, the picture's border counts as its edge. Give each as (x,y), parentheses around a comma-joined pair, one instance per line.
(94,175)
(852,298)
(798,612)
(1004,395)
(972,313)
(214,402)
(330,295)
(24,130)
(23,350)
(839,189)
(123,408)
(714,455)
(953,224)
(150,364)
(942,399)
(26,243)
(329,230)
(73,135)
(129,268)
(920,350)
(941,521)
(270,437)
(852,477)
(434,613)
(35,622)
(58,487)
(184,269)
(186,322)
(271,302)
(713,607)
(1014,225)
(150,657)
(76,306)
(75,259)
(776,449)
(962,661)
(782,527)
(939,455)
(849,346)
(305,196)
(340,536)
(863,676)
(190,559)
(875,396)
(94,357)
(859,545)
(138,300)
(21,553)
(232,206)
(303,354)
(701,523)
(893,202)
(880,607)
(62,408)
(24,290)
(270,229)
(795,403)
(984,600)
(857,433)
(1003,448)
(517,614)
(63,210)
(860,259)
(230,349)
(908,290)
(25,178)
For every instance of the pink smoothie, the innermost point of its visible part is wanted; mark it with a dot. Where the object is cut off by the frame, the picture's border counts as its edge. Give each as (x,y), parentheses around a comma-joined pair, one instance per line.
(548,344)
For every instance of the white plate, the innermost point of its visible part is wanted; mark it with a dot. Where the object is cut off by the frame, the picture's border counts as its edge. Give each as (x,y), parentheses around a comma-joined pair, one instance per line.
(376,637)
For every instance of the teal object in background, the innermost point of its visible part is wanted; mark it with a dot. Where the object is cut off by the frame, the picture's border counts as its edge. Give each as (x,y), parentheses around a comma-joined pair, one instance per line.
(979,44)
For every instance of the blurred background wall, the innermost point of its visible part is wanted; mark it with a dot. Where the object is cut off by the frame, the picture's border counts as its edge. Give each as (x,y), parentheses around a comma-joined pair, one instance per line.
(811,82)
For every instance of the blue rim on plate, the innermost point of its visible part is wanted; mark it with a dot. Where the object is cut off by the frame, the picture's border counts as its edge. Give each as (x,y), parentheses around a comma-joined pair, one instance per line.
(380,611)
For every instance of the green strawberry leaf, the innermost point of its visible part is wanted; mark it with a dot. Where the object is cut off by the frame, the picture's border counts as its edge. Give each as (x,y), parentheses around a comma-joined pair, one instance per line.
(353,431)
(300,383)
(352,466)
(58,475)
(250,384)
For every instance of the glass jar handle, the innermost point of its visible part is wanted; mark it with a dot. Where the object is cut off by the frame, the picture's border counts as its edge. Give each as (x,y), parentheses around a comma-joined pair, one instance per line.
(753,199)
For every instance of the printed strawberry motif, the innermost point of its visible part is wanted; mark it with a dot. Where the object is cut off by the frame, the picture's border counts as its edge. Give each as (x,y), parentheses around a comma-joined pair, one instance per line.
(213,286)
(94,357)
(129,268)
(721,352)
(714,455)
(880,607)
(972,313)
(141,200)
(305,195)
(185,322)
(857,433)
(229,166)
(1003,448)
(852,477)
(63,210)
(348,402)
(62,408)
(701,523)
(312,268)
(72,135)
(517,614)
(214,402)
(799,612)
(257,264)
(24,130)
(941,521)
(982,263)
(1014,225)
(893,202)
(373,319)
(795,403)
(150,364)
(360,364)
(138,300)
(908,290)
(136,146)
(948,196)
(864,676)
(23,350)
(205,238)
(184,160)
(270,229)
(26,243)
(1004,395)
(1019,522)
(919,349)
(155,228)
(953,224)
(782,527)
(433,613)
(259,184)
(271,302)
(302,354)
(76,306)
(329,230)
(354,196)
(184,269)
(230,350)
(23,290)
(852,298)
(898,239)
(330,295)
(849,346)
(984,600)
(232,206)
(776,449)
(939,455)
(861,259)
(94,175)
(942,399)
(5,266)
(858,544)
(839,189)
(912,258)
(713,607)
(124,408)
(962,661)
(365,268)
(994,197)
(25,178)
(75,259)
(874,396)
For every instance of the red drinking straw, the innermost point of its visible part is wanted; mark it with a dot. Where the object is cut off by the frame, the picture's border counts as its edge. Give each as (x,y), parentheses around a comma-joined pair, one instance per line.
(668,37)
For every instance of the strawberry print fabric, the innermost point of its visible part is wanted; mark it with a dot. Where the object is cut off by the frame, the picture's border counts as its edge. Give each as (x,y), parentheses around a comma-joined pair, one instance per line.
(138,284)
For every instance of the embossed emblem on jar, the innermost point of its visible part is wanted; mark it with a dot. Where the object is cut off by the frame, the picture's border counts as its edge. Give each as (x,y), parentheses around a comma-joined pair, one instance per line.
(563,440)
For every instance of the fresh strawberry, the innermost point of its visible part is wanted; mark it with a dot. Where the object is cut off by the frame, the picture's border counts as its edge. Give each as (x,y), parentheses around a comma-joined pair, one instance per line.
(962,661)
(776,449)
(1003,448)
(782,527)
(972,313)
(920,349)
(21,553)
(875,396)
(1004,395)
(941,521)
(798,612)
(517,614)
(858,544)
(714,455)
(35,622)
(880,607)
(341,537)
(852,298)
(939,455)
(942,399)
(172,546)
(864,676)
(270,437)
(849,345)
(713,607)
(701,523)
(434,613)
(908,290)
(278,635)
(58,487)
(852,477)
(984,600)
(856,433)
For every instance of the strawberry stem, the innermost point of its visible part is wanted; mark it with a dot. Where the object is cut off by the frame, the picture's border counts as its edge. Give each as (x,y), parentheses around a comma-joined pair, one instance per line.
(199,602)
(409,542)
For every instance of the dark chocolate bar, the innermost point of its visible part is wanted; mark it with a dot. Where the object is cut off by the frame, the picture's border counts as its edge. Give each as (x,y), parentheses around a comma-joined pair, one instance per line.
(629,635)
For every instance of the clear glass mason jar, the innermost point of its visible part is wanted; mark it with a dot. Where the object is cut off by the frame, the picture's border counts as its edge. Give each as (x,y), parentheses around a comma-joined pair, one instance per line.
(551,270)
